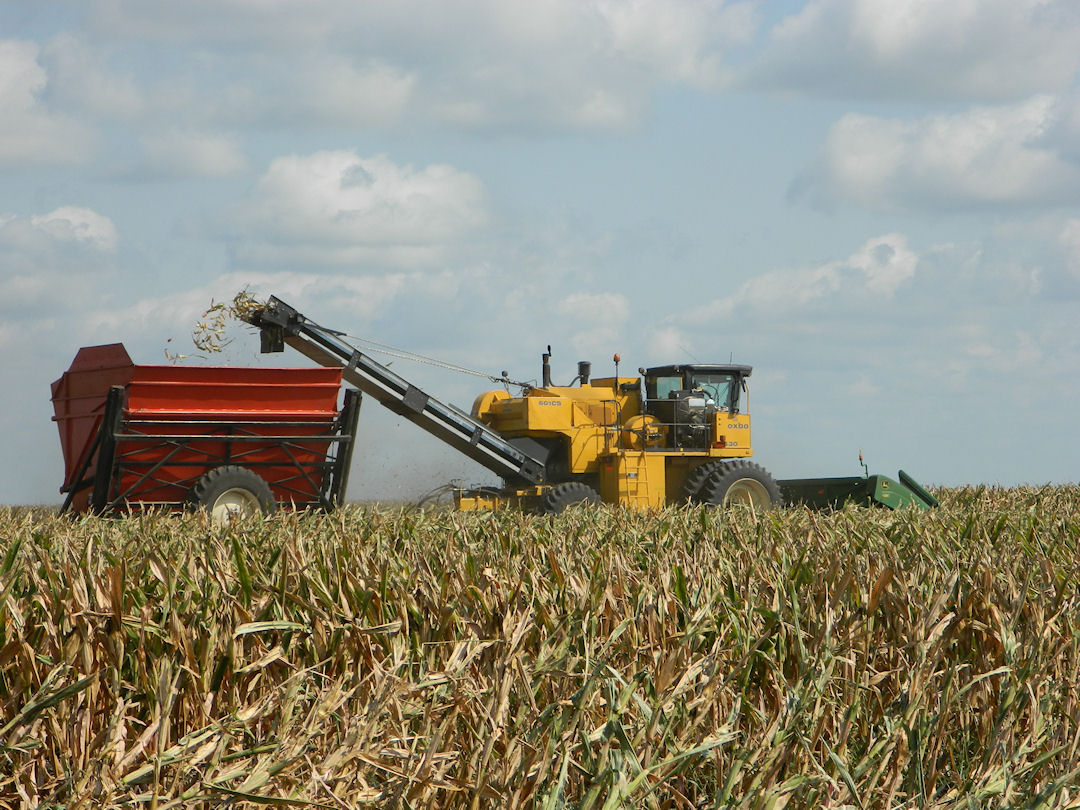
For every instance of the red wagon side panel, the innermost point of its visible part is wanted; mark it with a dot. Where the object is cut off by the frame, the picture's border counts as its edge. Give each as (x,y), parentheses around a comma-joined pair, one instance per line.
(238,393)
(78,399)
(200,417)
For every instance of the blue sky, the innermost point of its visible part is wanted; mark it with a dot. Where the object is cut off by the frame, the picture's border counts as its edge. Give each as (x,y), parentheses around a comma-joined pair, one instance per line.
(876,204)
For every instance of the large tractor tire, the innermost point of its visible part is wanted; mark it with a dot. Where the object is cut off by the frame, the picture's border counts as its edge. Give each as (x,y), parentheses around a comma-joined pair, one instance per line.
(560,496)
(231,492)
(697,477)
(741,482)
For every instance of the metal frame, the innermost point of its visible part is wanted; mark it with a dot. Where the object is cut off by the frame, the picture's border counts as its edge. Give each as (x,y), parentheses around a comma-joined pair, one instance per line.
(115,456)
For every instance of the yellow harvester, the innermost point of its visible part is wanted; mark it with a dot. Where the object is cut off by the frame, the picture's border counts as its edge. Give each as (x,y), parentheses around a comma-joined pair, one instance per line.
(675,433)
(672,434)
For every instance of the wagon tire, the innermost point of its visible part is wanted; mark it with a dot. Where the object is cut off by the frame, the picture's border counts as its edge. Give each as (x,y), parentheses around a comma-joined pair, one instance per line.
(566,494)
(741,483)
(227,492)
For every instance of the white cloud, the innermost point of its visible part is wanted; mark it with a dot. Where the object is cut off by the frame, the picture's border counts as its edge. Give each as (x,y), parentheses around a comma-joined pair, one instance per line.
(81,78)
(668,344)
(1066,134)
(21,290)
(998,350)
(863,387)
(605,308)
(320,87)
(339,207)
(680,41)
(1069,239)
(74,224)
(29,130)
(336,300)
(191,154)
(886,263)
(555,65)
(984,156)
(53,262)
(874,272)
(177,312)
(591,65)
(41,249)
(332,88)
(594,321)
(924,49)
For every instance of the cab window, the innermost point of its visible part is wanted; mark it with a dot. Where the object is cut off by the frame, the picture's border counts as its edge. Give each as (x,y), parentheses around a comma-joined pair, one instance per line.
(721,388)
(661,387)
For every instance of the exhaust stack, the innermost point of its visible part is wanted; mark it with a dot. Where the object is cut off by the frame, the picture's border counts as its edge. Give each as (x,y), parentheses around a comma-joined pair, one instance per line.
(584,370)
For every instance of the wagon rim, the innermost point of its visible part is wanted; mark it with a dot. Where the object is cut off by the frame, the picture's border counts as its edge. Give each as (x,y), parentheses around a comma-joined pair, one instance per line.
(235,502)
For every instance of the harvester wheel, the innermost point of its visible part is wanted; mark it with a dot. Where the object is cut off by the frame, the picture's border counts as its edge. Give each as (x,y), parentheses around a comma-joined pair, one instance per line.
(228,492)
(567,494)
(741,482)
(698,476)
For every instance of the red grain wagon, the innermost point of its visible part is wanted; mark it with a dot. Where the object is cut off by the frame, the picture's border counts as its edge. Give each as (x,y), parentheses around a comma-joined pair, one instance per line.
(229,439)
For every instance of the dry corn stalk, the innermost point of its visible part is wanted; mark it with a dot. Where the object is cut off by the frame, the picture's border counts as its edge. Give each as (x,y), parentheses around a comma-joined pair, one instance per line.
(210,332)
(690,658)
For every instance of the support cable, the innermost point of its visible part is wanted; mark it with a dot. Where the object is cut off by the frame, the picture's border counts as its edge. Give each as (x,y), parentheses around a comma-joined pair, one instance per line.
(405,354)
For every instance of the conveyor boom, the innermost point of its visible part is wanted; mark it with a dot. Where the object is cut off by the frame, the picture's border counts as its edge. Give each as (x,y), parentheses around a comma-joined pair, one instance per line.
(281,324)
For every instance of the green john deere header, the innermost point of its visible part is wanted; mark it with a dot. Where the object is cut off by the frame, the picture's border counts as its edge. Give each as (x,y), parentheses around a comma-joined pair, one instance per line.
(823,493)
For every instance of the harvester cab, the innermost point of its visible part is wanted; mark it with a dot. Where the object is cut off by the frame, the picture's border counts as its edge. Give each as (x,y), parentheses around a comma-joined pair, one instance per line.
(696,401)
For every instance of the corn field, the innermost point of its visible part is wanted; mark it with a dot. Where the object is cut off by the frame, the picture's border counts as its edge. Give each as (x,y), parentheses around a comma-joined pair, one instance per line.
(691,658)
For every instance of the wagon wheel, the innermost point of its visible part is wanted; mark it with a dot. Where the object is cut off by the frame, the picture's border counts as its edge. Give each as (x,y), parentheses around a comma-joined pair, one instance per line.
(228,492)
(741,482)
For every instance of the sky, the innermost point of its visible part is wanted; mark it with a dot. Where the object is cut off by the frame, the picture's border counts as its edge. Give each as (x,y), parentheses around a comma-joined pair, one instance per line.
(875,203)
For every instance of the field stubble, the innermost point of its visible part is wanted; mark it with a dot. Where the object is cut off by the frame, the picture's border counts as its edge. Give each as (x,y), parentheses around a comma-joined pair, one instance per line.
(602,659)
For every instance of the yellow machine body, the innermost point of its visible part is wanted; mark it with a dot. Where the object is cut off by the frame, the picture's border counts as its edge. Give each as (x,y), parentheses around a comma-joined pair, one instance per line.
(634,447)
